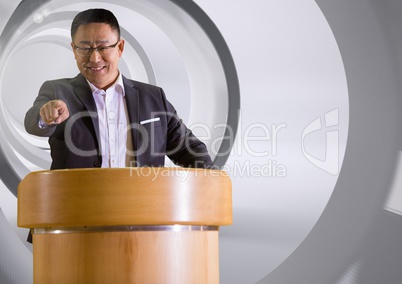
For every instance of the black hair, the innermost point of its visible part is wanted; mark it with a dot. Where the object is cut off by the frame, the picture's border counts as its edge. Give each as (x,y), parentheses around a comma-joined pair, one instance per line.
(95,16)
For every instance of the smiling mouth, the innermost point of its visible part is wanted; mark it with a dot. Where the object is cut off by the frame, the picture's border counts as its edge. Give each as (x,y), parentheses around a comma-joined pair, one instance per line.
(95,69)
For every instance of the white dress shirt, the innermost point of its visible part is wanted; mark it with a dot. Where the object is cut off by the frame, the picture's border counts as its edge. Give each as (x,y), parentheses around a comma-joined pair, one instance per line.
(115,139)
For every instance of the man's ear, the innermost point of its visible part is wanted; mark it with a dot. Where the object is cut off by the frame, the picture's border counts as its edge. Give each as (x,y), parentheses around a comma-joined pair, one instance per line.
(73,48)
(121,46)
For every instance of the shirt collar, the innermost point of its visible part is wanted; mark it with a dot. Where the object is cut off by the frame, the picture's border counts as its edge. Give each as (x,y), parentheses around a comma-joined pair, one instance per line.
(118,86)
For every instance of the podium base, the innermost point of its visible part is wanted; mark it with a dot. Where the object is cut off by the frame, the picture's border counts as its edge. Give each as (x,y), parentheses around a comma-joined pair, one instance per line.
(144,254)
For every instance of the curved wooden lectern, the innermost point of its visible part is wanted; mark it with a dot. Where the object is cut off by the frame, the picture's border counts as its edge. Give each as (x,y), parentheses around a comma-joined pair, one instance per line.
(129,225)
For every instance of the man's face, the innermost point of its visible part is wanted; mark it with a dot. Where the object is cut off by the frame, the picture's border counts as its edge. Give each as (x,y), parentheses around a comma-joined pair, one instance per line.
(100,69)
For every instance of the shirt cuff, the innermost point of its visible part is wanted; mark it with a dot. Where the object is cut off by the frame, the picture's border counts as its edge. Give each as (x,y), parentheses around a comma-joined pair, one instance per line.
(43,125)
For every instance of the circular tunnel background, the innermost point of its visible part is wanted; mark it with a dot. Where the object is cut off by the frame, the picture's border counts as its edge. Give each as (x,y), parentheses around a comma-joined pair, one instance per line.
(367,40)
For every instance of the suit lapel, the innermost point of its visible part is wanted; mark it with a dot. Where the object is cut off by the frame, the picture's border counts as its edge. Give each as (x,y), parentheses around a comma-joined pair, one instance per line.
(132,98)
(83,93)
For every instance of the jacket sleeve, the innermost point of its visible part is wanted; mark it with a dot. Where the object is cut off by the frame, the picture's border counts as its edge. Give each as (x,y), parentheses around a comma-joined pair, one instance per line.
(183,147)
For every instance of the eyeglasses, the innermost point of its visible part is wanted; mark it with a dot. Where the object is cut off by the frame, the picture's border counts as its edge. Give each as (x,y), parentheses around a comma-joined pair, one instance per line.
(102,50)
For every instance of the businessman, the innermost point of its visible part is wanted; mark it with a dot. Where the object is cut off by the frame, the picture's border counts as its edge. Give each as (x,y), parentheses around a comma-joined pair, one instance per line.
(101,118)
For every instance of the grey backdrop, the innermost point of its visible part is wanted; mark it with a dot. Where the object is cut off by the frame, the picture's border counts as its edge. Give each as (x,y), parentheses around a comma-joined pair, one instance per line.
(299,64)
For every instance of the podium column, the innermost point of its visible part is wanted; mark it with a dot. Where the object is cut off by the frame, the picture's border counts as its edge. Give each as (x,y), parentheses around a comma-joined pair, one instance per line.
(132,225)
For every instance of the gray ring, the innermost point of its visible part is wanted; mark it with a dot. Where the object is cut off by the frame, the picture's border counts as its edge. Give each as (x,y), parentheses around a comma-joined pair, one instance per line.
(338,239)
(338,233)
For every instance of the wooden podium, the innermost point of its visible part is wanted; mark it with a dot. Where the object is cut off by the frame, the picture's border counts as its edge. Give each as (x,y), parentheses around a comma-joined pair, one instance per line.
(129,225)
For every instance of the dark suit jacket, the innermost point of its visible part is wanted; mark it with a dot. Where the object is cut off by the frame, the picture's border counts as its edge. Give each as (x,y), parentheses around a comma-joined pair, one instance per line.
(155,127)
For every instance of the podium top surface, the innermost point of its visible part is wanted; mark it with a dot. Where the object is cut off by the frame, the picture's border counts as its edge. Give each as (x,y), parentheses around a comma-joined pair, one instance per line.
(125,196)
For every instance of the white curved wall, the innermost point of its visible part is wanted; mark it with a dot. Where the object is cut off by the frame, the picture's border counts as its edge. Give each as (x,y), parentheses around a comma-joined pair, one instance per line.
(293,124)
